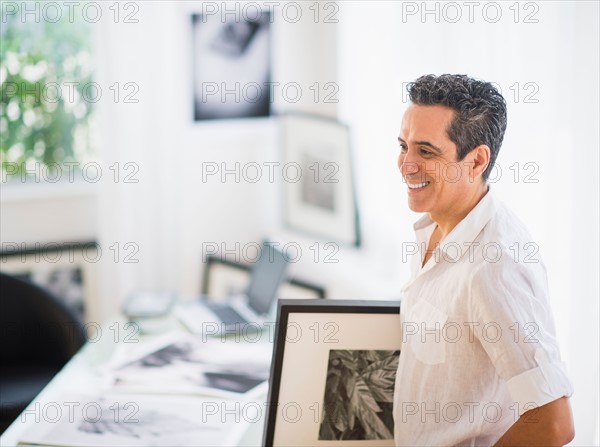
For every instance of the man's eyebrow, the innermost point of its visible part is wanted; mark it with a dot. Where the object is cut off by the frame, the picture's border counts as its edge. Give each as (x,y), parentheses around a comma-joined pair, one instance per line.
(424,143)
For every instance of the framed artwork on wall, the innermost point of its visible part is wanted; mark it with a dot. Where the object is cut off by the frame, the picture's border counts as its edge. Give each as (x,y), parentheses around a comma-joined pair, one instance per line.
(231,65)
(320,359)
(319,196)
(65,269)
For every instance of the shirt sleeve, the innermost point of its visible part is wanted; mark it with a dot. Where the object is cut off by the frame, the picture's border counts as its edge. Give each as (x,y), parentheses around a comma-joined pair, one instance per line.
(513,321)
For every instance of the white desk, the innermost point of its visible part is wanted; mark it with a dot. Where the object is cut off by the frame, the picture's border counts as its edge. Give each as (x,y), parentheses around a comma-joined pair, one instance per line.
(80,376)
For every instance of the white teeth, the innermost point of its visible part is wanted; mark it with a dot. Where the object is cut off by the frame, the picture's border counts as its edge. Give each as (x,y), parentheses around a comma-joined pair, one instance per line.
(418,185)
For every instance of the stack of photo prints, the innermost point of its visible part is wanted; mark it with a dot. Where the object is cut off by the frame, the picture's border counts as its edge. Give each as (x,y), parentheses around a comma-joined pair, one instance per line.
(166,392)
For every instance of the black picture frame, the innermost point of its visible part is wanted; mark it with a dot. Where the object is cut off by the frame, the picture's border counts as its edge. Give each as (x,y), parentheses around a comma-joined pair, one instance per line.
(223,277)
(66,269)
(302,360)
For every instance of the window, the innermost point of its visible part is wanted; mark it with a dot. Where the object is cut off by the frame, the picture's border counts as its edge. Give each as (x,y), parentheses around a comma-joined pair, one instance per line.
(46,74)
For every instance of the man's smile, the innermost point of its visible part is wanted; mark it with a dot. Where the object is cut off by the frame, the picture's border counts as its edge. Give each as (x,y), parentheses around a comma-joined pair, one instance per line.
(417,186)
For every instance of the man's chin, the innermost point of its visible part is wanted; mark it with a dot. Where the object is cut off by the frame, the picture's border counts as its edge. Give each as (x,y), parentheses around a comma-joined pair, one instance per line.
(417,207)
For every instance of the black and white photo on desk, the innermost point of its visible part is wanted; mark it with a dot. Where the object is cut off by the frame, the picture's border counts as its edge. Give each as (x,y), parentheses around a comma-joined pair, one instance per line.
(137,420)
(185,364)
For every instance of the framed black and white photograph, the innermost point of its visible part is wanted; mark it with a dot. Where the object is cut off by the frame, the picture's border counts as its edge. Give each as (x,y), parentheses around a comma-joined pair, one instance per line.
(67,270)
(333,373)
(319,191)
(231,65)
(223,278)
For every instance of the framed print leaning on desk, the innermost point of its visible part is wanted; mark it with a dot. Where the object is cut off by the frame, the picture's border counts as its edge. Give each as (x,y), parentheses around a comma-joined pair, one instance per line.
(223,278)
(333,373)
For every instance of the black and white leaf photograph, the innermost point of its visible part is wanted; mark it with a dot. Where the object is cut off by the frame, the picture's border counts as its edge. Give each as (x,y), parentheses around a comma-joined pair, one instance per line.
(359,393)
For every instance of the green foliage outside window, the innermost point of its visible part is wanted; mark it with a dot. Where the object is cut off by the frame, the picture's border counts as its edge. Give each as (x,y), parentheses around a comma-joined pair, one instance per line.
(46,86)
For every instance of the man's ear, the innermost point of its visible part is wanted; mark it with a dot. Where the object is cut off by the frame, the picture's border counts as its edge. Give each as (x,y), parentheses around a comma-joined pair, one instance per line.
(479,159)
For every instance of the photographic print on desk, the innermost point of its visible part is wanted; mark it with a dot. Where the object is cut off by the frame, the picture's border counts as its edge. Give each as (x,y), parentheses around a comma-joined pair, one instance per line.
(184,364)
(231,65)
(121,419)
(331,384)
(66,269)
(319,187)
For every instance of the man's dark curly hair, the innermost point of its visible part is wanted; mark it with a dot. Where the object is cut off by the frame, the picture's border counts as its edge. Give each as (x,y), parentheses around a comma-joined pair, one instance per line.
(480,111)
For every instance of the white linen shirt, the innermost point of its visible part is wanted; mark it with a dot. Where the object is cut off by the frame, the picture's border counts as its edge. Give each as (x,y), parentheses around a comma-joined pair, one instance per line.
(478,337)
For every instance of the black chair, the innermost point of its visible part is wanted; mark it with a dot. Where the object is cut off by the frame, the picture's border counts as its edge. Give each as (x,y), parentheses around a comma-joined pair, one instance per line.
(39,334)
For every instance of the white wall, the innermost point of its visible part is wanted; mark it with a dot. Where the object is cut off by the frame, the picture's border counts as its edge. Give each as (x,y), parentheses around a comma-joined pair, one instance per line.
(45,213)
(172,211)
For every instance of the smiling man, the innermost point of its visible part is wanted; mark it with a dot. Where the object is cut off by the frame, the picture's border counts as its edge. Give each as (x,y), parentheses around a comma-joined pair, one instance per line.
(480,363)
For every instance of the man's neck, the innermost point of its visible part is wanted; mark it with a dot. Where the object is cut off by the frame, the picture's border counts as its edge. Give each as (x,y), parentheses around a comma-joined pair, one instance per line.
(448,221)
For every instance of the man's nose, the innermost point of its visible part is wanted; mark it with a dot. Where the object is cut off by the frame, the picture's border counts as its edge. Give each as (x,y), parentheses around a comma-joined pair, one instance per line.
(407,167)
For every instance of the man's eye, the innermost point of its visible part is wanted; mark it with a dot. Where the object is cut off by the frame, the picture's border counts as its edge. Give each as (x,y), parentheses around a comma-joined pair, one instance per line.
(403,148)
(425,152)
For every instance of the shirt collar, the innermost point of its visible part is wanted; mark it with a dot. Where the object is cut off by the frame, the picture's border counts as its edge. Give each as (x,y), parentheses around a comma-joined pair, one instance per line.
(457,242)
